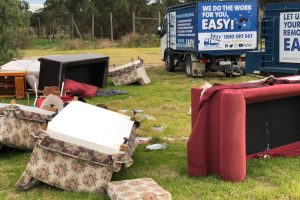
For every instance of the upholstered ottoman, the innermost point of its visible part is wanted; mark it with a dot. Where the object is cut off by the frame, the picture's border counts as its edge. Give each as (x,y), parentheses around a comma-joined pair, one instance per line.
(18,121)
(137,189)
(71,167)
(130,73)
(81,148)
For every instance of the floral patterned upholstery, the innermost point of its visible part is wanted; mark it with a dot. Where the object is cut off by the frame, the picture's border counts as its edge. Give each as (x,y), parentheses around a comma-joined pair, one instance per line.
(130,73)
(70,166)
(17,124)
(137,189)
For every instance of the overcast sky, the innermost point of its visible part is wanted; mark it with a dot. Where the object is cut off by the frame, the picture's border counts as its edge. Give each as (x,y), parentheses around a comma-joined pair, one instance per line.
(35,4)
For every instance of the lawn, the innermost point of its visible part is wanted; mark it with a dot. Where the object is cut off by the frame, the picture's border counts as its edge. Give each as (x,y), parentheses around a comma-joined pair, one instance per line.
(117,55)
(167,99)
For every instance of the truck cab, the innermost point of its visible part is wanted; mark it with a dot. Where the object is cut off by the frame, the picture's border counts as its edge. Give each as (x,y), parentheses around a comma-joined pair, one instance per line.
(209,36)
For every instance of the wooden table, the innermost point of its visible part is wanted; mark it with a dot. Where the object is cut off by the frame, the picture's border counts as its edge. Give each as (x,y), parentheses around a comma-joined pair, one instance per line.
(12,84)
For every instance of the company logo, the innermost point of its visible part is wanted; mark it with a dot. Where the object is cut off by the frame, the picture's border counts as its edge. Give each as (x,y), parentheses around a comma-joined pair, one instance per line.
(211,43)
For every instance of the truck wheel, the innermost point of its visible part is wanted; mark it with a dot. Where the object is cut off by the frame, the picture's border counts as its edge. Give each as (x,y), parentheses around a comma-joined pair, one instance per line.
(188,66)
(169,62)
(228,74)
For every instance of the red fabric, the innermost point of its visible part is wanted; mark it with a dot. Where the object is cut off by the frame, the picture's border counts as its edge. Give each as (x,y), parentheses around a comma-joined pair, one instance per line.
(39,102)
(89,90)
(288,151)
(82,89)
(73,87)
(217,142)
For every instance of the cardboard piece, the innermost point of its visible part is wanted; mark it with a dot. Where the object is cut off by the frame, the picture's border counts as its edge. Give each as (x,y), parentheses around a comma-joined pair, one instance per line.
(53,101)
(91,127)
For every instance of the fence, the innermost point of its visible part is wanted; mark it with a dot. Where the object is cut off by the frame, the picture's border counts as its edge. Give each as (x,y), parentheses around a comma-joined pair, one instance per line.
(92,25)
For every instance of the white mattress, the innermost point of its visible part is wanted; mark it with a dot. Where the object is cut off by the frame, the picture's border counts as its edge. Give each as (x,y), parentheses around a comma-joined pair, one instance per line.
(91,127)
(32,67)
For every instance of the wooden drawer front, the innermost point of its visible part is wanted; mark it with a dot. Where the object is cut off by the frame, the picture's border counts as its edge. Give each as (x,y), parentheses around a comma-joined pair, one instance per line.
(7,86)
(20,87)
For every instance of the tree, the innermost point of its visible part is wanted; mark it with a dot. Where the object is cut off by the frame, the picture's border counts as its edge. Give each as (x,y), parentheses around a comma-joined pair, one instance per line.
(59,12)
(13,22)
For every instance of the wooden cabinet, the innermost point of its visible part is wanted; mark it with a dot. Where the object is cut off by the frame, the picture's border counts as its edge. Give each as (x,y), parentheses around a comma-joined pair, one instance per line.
(12,84)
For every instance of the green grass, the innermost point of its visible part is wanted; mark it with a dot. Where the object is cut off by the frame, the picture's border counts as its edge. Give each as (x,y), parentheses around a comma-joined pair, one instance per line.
(118,56)
(43,44)
(127,41)
(167,98)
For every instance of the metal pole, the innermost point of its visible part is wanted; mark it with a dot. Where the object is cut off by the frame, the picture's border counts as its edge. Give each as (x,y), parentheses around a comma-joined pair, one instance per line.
(111,27)
(72,28)
(77,30)
(93,25)
(159,20)
(133,22)
(39,31)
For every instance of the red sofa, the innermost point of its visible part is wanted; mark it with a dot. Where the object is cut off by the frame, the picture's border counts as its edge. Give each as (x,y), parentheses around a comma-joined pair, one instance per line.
(224,126)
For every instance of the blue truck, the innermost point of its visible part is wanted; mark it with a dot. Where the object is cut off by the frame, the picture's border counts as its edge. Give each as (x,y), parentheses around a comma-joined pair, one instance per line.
(280,41)
(209,36)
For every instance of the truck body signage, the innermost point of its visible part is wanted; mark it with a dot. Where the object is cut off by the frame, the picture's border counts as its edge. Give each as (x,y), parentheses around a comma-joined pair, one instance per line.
(172,29)
(182,29)
(227,25)
(186,29)
(289,37)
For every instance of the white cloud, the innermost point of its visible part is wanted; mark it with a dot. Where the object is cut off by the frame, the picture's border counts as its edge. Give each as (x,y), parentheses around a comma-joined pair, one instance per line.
(35,6)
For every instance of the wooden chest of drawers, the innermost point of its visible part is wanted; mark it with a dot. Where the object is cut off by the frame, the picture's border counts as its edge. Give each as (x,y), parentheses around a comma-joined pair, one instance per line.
(12,84)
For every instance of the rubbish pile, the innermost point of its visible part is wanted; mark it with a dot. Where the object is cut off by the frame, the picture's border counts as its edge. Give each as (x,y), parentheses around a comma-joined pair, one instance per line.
(75,146)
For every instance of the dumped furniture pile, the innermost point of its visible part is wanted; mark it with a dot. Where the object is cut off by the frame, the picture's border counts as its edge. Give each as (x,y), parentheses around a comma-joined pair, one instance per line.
(75,146)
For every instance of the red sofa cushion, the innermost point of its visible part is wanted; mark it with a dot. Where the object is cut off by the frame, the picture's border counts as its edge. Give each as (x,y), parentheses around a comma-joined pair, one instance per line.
(74,87)
(82,89)
(89,90)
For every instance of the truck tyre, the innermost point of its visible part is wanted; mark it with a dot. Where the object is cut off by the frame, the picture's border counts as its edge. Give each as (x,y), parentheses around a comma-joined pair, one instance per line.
(188,66)
(228,74)
(169,62)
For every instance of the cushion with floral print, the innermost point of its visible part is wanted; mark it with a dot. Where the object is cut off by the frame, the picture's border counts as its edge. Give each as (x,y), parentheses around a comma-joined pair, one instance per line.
(137,189)
(70,167)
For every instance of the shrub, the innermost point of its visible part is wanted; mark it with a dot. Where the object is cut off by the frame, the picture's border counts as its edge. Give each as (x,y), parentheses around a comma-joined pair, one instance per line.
(13,23)
(72,44)
(106,43)
(76,44)
(134,40)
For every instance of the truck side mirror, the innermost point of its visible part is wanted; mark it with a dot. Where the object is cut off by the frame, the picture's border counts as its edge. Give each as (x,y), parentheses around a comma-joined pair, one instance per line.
(158,31)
